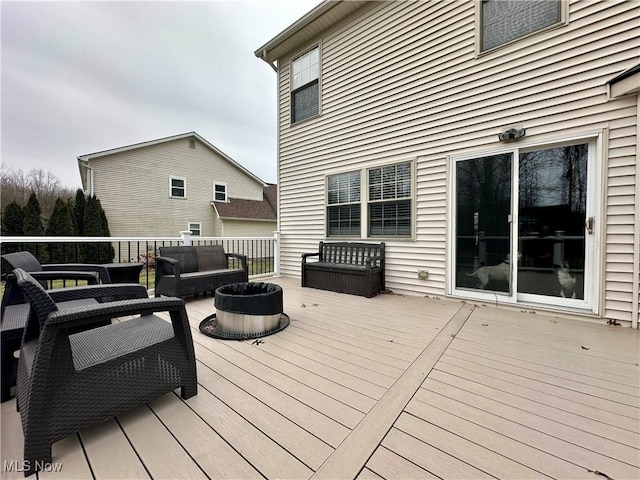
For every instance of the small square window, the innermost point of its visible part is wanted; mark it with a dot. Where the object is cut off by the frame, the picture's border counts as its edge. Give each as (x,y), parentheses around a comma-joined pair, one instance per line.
(219,192)
(195,228)
(177,187)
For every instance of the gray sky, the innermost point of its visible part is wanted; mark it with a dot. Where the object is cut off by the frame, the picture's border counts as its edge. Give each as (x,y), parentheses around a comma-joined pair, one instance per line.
(82,77)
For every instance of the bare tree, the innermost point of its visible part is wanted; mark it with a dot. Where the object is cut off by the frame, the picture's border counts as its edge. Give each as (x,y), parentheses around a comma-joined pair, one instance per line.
(17,186)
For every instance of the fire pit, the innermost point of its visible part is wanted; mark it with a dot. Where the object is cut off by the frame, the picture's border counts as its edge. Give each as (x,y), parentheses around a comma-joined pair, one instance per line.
(246,310)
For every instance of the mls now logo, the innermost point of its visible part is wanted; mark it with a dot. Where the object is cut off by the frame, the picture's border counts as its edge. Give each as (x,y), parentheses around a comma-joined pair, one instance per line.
(25,465)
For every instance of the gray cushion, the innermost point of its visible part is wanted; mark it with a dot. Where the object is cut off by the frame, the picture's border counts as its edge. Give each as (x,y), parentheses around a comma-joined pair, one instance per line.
(211,257)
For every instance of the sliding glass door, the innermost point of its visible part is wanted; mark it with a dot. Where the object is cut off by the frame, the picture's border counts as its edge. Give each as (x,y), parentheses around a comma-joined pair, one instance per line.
(523,225)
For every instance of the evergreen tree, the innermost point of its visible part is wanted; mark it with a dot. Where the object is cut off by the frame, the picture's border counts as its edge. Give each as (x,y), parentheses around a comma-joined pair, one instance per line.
(32,226)
(94,227)
(12,220)
(109,250)
(78,213)
(60,225)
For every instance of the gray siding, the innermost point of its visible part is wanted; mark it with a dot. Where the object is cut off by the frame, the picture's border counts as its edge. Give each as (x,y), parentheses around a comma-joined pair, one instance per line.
(133,187)
(401,80)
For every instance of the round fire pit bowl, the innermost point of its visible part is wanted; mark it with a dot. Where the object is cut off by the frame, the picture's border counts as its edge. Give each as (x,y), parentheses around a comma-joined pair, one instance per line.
(246,310)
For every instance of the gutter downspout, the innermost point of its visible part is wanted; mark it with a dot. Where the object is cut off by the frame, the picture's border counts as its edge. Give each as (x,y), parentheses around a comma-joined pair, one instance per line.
(89,176)
(266,59)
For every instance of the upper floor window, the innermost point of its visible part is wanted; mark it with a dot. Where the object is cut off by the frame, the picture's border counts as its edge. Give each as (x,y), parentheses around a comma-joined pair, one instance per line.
(305,98)
(219,192)
(503,21)
(177,187)
(195,228)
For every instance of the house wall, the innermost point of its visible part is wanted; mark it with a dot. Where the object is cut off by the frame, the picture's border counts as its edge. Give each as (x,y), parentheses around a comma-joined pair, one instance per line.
(248,228)
(402,81)
(133,188)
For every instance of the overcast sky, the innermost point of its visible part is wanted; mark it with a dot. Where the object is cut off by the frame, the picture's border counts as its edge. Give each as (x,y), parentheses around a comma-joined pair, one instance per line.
(82,77)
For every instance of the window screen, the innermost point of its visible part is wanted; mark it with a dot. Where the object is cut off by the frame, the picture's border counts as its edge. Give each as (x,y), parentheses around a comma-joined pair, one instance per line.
(507,20)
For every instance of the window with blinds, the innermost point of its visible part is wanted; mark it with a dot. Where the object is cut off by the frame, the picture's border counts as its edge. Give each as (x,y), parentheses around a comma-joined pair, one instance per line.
(305,100)
(389,206)
(506,20)
(343,204)
(385,209)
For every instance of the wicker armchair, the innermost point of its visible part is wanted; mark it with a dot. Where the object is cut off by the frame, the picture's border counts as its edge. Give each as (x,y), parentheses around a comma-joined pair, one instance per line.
(14,309)
(67,382)
(58,271)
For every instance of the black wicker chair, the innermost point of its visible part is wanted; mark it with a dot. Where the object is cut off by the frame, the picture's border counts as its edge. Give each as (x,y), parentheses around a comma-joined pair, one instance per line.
(58,271)
(14,309)
(69,381)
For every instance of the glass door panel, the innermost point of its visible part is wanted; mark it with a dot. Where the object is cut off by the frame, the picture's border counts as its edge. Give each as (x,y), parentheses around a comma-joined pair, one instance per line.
(552,213)
(483,208)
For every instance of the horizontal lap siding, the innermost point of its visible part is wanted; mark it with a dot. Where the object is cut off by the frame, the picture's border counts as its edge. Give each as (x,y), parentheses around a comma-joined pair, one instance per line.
(401,81)
(133,188)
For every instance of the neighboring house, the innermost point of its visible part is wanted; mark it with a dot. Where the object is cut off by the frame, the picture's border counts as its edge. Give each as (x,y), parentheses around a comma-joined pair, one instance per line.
(165,186)
(465,134)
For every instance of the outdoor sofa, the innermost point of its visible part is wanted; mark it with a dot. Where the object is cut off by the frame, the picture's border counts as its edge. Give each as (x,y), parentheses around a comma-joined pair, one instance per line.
(189,270)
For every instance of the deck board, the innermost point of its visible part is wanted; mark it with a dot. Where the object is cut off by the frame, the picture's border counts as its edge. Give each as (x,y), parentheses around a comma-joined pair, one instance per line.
(542,452)
(392,466)
(212,453)
(440,381)
(435,461)
(546,365)
(351,456)
(512,385)
(459,446)
(327,362)
(303,444)
(480,410)
(268,457)
(350,395)
(159,451)
(322,426)
(110,453)
(320,401)
(69,455)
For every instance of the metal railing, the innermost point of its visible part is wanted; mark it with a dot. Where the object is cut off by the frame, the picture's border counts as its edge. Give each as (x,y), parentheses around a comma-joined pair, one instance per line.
(262,252)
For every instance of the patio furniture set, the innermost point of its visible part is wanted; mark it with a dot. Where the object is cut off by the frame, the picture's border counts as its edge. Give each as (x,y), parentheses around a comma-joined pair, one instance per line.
(75,364)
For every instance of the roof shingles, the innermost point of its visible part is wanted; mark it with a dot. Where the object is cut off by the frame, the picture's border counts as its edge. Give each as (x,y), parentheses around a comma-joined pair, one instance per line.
(239,208)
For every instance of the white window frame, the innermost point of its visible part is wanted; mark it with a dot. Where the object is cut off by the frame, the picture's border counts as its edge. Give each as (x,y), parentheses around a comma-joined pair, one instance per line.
(595,207)
(563,20)
(171,187)
(190,226)
(226,195)
(293,89)
(365,202)
(358,202)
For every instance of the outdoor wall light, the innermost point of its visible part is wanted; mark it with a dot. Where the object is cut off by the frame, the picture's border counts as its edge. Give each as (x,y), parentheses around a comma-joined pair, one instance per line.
(511,133)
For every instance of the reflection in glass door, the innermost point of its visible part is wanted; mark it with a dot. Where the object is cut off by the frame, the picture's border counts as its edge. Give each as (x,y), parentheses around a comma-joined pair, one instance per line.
(552,215)
(483,208)
(528,207)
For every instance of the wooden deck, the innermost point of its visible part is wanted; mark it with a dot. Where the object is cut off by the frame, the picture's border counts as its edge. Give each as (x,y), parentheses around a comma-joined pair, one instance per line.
(389,387)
